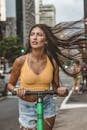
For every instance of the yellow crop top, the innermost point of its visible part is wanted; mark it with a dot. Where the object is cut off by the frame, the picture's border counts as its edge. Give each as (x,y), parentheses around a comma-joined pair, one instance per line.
(36,82)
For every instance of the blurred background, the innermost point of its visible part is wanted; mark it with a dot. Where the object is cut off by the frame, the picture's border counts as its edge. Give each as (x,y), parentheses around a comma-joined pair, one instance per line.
(18,16)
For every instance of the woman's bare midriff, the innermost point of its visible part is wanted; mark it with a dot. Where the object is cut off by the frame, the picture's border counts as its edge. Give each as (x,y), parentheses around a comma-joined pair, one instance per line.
(30,98)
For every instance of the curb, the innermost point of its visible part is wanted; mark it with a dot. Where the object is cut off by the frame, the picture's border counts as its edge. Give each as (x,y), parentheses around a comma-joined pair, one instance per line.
(2,98)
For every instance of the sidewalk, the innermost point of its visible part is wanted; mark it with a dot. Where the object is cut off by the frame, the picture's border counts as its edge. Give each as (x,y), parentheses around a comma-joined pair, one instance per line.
(73,114)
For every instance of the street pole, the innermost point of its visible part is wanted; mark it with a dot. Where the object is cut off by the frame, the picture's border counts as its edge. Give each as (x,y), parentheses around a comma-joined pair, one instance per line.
(85,25)
(0,27)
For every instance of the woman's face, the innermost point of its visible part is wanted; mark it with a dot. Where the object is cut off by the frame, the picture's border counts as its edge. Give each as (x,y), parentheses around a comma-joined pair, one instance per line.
(37,38)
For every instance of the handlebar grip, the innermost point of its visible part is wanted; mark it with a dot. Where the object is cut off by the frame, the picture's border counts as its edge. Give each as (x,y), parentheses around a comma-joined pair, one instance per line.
(14,93)
(67,92)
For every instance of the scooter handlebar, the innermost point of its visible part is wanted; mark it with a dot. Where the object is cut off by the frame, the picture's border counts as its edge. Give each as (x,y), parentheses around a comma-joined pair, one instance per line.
(51,92)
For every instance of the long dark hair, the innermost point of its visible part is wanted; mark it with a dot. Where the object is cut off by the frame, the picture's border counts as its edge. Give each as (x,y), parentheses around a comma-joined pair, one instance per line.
(58,47)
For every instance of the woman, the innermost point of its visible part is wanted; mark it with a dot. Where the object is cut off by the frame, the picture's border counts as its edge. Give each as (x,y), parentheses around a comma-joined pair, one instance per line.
(77,77)
(84,73)
(36,71)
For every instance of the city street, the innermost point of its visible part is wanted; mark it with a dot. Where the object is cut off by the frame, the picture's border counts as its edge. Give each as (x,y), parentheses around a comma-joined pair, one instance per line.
(68,118)
(65,80)
(42,32)
(9,108)
(71,110)
(9,114)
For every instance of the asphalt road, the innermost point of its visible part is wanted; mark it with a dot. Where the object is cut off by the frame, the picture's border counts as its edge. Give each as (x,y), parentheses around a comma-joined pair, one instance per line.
(71,119)
(65,80)
(9,114)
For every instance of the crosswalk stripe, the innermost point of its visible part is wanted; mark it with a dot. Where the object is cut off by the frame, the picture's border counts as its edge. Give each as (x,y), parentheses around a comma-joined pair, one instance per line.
(64,104)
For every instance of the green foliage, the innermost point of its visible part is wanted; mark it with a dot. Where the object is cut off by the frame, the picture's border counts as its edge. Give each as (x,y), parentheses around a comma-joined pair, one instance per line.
(10,48)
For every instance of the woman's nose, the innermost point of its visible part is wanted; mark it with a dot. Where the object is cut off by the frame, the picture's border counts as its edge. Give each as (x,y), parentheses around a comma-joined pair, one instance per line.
(35,36)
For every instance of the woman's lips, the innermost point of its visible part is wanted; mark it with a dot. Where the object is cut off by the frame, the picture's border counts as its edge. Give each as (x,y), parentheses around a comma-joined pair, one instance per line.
(34,43)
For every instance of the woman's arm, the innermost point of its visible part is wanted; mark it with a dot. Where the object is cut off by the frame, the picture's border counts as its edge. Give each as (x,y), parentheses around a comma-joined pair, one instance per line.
(55,82)
(62,91)
(15,73)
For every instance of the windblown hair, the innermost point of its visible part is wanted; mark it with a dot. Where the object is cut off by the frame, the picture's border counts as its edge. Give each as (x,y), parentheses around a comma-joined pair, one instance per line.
(64,42)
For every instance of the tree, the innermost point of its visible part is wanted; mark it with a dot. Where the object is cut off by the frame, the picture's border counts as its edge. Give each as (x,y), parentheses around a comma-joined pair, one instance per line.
(10,48)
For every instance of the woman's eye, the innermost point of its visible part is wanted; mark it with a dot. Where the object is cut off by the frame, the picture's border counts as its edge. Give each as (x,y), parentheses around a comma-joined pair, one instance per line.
(36,34)
(40,34)
(31,34)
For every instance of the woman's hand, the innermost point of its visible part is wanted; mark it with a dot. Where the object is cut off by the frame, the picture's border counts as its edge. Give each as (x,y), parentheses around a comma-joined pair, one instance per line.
(20,92)
(62,91)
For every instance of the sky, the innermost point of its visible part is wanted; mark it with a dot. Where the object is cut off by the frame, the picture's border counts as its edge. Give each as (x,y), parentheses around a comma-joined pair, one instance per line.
(67,10)
(10,5)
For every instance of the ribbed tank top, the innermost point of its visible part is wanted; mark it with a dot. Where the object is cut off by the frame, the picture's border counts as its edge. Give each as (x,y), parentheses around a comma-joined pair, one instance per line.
(36,82)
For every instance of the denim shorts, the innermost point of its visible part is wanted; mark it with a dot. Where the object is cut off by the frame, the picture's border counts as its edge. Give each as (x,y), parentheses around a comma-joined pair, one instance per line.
(27,111)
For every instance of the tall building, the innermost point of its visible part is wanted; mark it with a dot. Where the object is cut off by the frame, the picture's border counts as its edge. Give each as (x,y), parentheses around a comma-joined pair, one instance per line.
(19,19)
(2,17)
(25,12)
(10,27)
(47,14)
(10,18)
(37,14)
(2,10)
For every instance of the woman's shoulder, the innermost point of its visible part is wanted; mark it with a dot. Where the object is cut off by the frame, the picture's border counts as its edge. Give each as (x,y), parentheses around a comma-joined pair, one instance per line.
(20,60)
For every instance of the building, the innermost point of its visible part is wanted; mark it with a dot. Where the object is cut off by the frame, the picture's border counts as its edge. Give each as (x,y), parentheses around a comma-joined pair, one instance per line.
(10,18)
(22,14)
(25,12)
(2,10)
(10,27)
(45,13)
(37,14)
(2,17)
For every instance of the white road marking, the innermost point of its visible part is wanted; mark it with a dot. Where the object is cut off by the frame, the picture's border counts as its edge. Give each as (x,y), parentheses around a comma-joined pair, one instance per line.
(70,106)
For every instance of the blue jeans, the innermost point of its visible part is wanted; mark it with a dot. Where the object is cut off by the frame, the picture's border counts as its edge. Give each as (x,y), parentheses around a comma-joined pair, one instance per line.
(27,111)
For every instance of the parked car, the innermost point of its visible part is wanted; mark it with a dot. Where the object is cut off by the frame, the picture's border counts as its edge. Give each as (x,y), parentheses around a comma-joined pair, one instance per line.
(4,77)
(3,87)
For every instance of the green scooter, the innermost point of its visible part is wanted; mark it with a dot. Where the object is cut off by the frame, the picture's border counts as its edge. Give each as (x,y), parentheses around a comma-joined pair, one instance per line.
(39,105)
